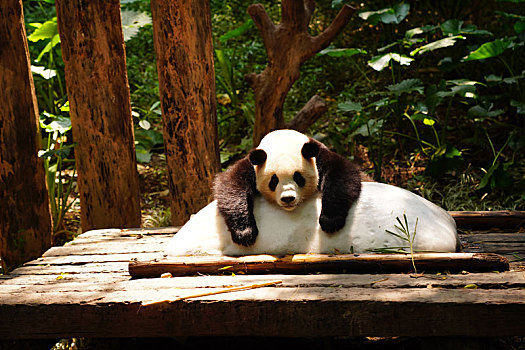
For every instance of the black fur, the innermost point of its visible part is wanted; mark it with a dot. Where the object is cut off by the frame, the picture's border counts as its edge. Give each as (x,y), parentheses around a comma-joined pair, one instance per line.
(340,185)
(234,190)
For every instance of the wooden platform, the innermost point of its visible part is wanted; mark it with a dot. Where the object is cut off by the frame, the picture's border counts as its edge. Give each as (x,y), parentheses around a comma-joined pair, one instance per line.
(84,290)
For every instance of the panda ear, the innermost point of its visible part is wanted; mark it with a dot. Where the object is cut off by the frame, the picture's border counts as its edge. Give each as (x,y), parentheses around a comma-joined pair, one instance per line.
(310,149)
(257,156)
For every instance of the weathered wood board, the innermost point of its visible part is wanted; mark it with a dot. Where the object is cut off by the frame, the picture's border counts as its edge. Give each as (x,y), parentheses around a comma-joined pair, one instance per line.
(84,289)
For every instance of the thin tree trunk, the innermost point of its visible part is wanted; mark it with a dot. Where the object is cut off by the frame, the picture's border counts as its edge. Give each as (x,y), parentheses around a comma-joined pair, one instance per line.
(25,220)
(97,85)
(182,36)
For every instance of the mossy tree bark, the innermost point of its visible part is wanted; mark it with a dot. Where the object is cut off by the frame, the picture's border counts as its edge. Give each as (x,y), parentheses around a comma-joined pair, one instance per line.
(25,220)
(98,91)
(182,36)
(288,45)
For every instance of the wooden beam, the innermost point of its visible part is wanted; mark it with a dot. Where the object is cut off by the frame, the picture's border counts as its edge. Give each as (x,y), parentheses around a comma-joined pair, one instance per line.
(312,263)
(25,219)
(183,43)
(97,86)
(489,219)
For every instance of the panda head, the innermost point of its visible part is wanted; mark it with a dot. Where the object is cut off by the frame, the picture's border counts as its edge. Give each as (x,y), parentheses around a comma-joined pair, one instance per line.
(285,169)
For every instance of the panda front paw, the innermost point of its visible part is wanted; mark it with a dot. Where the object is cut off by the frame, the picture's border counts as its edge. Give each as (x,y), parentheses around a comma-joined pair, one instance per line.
(245,237)
(331,224)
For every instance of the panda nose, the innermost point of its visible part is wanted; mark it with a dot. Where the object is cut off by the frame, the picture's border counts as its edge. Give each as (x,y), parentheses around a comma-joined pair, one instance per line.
(288,199)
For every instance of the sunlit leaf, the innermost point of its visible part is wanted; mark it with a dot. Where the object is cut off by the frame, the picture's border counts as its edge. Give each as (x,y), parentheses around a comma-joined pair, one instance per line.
(144,124)
(237,31)
(446,42)
(349,52)
(380,62)
(394,14)
(428,121)
(58,123)
(349,106)
(488,50)
(419,30)
(45,31)
(44,72)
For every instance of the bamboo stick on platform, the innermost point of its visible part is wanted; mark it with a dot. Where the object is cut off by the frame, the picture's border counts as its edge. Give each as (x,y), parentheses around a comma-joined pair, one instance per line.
(312,263)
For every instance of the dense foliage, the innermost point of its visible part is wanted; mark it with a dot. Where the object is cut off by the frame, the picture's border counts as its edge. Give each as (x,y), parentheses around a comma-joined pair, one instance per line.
(427,95)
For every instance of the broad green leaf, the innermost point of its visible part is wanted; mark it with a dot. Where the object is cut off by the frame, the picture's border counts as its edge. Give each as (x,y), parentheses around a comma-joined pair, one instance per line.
(349,106)
(419,30)
(59,123)
(237,31)
(488,50)
(478,111)
(406,86)
(44,72)
(62,151)
(369,128)
(132,21)
(143,156)
(455,27)
(394,14)
(46,31)
(342,52)
(380,62)
(445,42)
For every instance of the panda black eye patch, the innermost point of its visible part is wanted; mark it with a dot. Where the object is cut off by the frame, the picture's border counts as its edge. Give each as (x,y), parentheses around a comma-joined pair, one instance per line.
(299,179)
(273,182)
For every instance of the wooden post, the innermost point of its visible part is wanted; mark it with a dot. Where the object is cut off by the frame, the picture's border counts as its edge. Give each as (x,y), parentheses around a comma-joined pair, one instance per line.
(25,220)
(182,36)
(97,86)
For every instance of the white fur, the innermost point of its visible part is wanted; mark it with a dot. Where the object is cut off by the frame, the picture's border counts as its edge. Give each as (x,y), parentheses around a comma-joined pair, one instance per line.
(284,232)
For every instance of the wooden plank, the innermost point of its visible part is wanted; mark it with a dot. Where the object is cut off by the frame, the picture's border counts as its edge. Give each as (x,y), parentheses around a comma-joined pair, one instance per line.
(488,219)
(97,282)
(310,263)
(97,86)
(25,219)
(297,312)
(107,248)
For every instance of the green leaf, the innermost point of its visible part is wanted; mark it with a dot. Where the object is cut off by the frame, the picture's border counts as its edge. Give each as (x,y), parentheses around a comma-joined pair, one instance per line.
(478,111)
(142,155)
(455,27)
(409,34)
(394,14)
(237,31)
(370,128)
(519,27)
(446,42)
(54,41)
(132,21)
(429,121)
(519,105)
(45,31)
(58,123)
(349,106)
(380,62)
(349,52)
(488,50)
(406,86)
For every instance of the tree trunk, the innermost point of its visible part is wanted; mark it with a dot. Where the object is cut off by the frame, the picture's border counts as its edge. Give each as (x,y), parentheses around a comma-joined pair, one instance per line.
(25,220)
(182,36)
(288,45)
(97,86)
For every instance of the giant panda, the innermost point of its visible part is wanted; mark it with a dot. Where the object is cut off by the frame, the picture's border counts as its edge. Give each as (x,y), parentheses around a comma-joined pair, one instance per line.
(293,195)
